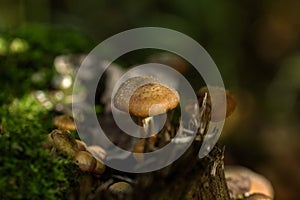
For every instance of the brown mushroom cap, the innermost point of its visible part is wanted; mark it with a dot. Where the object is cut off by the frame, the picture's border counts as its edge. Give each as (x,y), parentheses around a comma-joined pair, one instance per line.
(98,152)
(100,168)
(64,122)
(230,101)
(171,60)
(122,96)
(85,161)
(138,149)
(152,99)
(64,142)
(120,188)
(258,196)
(241,181)
(149,98)
(81,145)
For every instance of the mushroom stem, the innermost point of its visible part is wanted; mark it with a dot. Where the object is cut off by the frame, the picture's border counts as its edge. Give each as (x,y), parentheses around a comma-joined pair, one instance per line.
(141,145)
(203,115)
(148,125)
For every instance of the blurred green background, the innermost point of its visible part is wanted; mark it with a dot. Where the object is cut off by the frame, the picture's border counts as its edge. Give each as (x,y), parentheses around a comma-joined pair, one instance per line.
(254,43)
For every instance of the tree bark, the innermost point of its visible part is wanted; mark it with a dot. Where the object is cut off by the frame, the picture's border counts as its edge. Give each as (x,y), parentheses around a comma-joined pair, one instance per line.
(188,178)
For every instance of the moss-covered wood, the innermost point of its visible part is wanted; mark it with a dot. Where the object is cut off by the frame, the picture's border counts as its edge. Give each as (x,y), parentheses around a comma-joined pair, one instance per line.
(188,178)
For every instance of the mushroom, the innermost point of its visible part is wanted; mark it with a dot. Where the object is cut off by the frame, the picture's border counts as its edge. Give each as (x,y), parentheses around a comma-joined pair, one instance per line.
(258,196)
(85,161)
(99,168)
(171,60)
(98,152)
(152,99)
(145,97)
(64,122)
(243,182)
(64,142)
(81,145)
(203,93)
(120,189)
(138,148)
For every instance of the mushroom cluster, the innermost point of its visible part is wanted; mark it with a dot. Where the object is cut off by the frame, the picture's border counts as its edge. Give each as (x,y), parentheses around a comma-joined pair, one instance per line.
(88,159)
(144,98)
(62,141)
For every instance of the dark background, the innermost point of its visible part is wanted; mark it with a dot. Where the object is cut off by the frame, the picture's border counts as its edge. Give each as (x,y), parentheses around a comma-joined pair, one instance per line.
(254,43)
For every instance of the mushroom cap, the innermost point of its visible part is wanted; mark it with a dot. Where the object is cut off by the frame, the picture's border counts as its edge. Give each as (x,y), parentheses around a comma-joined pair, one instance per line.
(120,188)
(81,145)
(64,122)
(145,96)
(100,168)
(64,142)
(98,152)
(241,181)
(85,161)
(230,101)
(170,59)
(258,196)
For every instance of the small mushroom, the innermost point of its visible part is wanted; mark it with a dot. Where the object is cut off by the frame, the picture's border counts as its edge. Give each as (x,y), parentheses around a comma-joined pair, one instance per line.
(64,142)
(120,189)
(85,161)
(81,145)
(244,182)
(258,197)
(64,122)
(99,169)
(171,60)
(230,101)
(98,152)
(138,148)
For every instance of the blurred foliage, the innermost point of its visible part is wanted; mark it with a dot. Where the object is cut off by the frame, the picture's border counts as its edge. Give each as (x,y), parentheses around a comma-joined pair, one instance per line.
(31,49)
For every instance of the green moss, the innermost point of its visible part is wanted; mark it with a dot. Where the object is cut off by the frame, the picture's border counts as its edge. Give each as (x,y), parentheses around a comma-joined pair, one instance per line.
(27,171)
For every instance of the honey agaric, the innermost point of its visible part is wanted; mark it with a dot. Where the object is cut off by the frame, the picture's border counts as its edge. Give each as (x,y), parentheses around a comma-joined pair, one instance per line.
(98,152)
(230,101)
(244,182)
(64,122)
(100,168)
(120,188)
(85,161)
(257,196)
(81,145)
(144,97)
(139,148)
(171,60)
(152,99)
(64,142)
